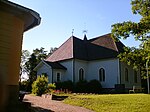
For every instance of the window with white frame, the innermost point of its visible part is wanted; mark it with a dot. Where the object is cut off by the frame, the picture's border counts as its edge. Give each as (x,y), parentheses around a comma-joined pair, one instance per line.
(81,74)
(101,74)
(58,76)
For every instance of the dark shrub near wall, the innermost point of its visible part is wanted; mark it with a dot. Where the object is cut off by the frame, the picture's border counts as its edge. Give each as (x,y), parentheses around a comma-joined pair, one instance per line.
(119,88)
(23,86)
(66,85)
(93,86)
(81,87)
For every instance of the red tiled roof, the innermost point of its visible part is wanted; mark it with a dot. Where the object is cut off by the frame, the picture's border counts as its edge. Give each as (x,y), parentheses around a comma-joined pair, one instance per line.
(108,42)
(96,48)
(65,51)
(105,41)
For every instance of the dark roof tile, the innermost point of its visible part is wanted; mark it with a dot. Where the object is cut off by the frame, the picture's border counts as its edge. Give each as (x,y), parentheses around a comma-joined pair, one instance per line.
(55,65)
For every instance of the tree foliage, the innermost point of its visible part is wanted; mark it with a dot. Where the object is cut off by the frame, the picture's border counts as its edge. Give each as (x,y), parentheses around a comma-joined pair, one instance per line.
(52,50)
(40,85)
(50,88)
(30,61)
(135,57)
(35,58)
(140,30)
(24,58)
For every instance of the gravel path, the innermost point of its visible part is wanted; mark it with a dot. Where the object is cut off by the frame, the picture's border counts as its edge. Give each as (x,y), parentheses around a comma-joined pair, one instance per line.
(46,105)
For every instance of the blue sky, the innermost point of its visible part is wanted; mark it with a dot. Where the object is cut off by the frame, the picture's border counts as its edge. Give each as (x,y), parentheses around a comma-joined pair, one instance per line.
(59,17)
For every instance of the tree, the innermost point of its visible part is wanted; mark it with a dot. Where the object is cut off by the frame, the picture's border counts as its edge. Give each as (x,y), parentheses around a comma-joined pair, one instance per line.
(40,54)
(52,50)
(33,60)
(24,58)
(141,31)
(31,64)
(135,57)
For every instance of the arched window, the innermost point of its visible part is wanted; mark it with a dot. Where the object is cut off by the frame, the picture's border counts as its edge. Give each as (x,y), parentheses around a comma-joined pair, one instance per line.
(101,75)
(81,74)
(58,76)
(135,76)
(126,75)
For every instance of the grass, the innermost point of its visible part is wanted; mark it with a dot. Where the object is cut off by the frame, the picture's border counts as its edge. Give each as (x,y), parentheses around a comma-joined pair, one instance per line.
(112,103)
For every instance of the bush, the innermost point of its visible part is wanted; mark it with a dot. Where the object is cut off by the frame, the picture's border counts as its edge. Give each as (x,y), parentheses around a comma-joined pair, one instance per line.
(65,85)
(51,87)
(40,85)
(23,86)
(68,85)
(94,86)
(58,85)
(81,86)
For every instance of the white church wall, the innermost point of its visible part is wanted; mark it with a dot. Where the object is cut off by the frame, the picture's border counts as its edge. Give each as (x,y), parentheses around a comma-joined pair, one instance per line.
(45,69)
(78,65)
(69,72)
(111,71)
(130,83)
(91,71)
(62,75)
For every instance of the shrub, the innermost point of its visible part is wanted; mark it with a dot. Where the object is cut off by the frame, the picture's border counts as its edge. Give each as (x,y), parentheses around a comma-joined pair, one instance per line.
(66,85)
(58,85)
(40,85)
(51,87)
(81,86)
(23,86)
(94,86)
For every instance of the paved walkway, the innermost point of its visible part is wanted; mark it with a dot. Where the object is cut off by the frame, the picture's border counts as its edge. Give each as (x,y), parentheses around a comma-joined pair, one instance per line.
(46,105)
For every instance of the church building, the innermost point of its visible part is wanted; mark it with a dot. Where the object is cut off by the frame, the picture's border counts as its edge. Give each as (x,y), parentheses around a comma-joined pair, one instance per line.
(96,58)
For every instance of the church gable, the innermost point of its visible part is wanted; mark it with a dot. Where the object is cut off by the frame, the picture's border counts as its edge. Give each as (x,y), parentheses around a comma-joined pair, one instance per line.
(52,65)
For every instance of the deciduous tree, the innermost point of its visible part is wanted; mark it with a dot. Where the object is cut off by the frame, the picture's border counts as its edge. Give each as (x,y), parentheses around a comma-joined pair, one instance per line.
(140,31)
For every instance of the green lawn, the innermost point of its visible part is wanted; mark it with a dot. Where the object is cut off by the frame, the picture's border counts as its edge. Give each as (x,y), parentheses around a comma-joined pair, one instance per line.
(112,103)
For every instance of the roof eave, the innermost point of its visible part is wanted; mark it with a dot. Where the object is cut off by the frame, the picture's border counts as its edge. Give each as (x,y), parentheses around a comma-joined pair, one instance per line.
(35,69)
(30,17)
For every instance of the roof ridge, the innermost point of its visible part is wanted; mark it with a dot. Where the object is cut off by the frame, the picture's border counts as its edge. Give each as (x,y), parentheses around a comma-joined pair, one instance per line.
(76,48)
(70,42)
(98,37)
